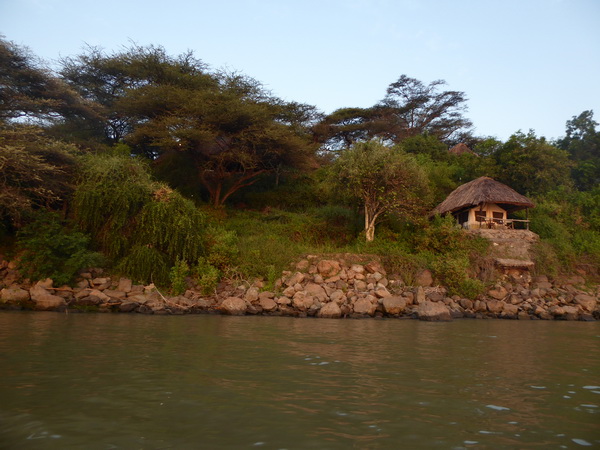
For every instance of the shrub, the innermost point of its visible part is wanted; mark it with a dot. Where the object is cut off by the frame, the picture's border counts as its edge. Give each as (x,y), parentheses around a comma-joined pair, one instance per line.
(51,250)
(207,275)
(178,275)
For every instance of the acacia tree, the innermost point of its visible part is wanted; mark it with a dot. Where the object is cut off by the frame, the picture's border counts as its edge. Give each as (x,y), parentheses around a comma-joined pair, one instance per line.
(385,180)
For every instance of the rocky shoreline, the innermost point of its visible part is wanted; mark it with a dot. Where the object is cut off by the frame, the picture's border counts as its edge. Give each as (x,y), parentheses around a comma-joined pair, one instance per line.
(340,286)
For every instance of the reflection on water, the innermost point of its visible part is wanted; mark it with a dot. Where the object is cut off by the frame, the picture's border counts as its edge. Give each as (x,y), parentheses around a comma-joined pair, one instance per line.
(129,381)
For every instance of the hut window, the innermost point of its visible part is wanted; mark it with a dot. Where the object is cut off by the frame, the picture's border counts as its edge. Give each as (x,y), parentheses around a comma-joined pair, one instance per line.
(480,216)
(498,215)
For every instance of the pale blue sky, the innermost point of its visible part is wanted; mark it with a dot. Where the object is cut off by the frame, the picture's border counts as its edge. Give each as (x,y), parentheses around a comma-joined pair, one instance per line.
(522,63)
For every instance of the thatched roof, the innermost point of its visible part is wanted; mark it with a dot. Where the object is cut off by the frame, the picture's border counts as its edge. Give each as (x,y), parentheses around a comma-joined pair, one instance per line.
(460,149)
(482,190)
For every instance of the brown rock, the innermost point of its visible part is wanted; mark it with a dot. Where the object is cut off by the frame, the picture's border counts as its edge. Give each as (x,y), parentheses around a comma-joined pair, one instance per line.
(315,290)
(431,311)
(251,295)
(495,306)
(499,292)
(382,292)
(128,306)
(338,297)
(364,306)
(302,301)
(394,305)
(510,309)
(375,267)
(125,285)
(298,277)
(330,310)
(234,306)
(49,302)
(90,300)
(420,296)
(466,303)
(424,278)
(268,304)
(357,269)
(587,302)
(119,295)
(14,295)
(283,300)
(328,268)
(303,265)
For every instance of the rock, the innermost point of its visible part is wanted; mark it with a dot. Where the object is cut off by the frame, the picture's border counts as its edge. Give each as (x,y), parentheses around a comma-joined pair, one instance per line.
(330,310)
(364,306)
(495,306)
(424,278)
(49,302)
(89,300)
(303,265)
(294,279)
(283,300)
(375,267)
(315,290)
(14,295)
(302,301)
(266,294)
(360,285)
(338,296)
(499,292)
(382,292)
(466,303)
(251,295)
(268,304)
(435,296)
(420,296)
(394,305)
(431,311)
(290,291)
(128,306)
(543,285)
(587,302)
(125,285)
(100,281)
(328,268)
(119,295)
(357,269)
(234,306)
(100,294)
(510,309)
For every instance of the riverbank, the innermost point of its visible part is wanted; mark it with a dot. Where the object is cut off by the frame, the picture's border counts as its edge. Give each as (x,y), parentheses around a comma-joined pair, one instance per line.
(334,286)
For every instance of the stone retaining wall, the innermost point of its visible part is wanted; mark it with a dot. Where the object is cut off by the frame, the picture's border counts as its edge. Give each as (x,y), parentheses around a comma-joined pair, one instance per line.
(327,286)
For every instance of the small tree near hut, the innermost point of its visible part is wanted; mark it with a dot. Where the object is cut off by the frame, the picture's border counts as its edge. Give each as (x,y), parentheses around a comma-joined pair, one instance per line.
(384,179)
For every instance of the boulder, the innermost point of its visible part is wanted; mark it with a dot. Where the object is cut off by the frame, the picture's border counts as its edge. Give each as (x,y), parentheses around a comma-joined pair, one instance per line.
(420,296)
(328,268)
(394,305)
(338,296)
(495,306)
(431,311)
(364,306)
(268,304)
(499,292)
(125,285)
(302,301)
(234,306)
(89,300)
(128,306)
(375,267)
(357,269)
(49,302)
(510,309)
(315,290)
(330,310)
(251,295)
(587,302)
(424,278)
(14,295)
(382,292)
(298,277)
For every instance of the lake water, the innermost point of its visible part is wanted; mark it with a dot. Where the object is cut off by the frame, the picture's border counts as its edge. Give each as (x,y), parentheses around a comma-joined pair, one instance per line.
(102,381)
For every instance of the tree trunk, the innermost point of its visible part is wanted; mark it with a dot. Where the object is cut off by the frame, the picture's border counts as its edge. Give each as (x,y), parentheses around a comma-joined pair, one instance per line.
(370,221)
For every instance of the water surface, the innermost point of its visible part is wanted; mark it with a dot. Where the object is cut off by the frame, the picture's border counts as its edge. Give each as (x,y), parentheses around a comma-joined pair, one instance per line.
(102,381)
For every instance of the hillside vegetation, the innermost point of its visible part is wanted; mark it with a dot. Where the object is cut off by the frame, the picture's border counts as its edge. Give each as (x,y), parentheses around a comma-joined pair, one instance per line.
(158,168)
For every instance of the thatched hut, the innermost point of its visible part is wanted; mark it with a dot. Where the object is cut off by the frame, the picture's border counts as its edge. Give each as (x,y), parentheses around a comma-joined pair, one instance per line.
(484,203)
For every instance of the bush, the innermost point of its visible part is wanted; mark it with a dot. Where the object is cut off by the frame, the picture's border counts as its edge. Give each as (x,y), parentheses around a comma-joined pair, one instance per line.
(51,250)
(178,275)
(207,275)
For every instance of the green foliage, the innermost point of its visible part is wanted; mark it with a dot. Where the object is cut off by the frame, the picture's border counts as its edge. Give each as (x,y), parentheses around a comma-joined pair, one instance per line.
(51,250)
(145,264)
(221,247)
(178,275)
(36,172)
(530,165)
(207,276)
(142,225)
(383,180)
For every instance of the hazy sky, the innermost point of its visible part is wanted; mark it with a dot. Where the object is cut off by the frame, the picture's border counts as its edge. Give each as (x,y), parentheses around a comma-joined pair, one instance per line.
(522,63)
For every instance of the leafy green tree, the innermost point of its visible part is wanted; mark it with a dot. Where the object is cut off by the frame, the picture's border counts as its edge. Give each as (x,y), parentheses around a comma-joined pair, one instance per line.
(411,108)
(36,172)
(582,141)
(531,165)
(385,180)
(29,91)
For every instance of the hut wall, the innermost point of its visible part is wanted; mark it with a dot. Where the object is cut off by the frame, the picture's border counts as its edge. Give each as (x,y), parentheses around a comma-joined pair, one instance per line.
(489,208)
